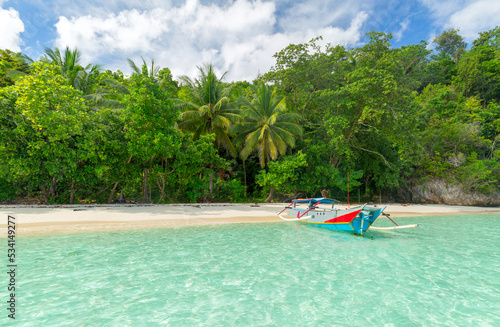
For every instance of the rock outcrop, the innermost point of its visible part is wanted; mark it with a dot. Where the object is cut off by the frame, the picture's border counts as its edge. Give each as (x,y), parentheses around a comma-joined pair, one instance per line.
(439,191)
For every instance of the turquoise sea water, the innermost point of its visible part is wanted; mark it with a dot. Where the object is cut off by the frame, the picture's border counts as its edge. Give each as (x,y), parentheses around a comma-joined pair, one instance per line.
(444,273)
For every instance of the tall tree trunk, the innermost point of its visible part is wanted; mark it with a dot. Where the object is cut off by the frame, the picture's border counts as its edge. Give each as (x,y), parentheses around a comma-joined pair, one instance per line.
(204,189)
(112,195)
(211,183)
(161,187)
(53,187)
(72,194)
(116,184)
(104,189)
(270,197)
(45,195)
(145,184)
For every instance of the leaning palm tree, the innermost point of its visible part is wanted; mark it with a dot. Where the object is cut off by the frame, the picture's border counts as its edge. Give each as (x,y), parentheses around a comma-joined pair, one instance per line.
(268,128)
(209,109)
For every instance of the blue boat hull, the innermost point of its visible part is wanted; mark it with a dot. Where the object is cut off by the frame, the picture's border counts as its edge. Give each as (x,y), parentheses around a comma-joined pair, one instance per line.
(357,219)
(360,224)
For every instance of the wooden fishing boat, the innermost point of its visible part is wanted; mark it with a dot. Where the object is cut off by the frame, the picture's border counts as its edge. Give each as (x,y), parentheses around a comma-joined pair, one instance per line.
(321,212)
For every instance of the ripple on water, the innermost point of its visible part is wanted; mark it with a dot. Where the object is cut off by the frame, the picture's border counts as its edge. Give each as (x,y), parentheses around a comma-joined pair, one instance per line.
(447,272)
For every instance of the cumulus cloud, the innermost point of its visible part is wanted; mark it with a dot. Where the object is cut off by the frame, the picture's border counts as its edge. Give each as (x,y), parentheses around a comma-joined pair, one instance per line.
(12,27)
(255,55)
(125,32)
(476,17)
(470,16)
(240,36)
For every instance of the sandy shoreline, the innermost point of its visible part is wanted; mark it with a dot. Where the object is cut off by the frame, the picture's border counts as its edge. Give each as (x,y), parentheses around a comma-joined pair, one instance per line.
(31,220)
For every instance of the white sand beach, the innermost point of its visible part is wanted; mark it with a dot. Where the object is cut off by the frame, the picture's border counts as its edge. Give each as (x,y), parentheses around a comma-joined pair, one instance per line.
(51,219)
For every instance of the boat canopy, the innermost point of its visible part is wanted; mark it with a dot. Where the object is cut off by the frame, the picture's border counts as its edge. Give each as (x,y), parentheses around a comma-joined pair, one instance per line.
(315,200)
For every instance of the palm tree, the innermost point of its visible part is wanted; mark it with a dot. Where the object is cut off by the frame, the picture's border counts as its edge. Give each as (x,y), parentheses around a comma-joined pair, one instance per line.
(13,64)
(144,70)
(268,128)
(209,109)
(104,95)
(162,76)
(69,64)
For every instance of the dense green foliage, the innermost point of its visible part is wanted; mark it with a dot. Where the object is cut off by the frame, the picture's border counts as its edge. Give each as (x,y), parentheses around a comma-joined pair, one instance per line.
(383,116)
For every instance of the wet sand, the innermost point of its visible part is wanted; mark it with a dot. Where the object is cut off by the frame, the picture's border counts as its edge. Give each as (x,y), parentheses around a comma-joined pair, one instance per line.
(32,220)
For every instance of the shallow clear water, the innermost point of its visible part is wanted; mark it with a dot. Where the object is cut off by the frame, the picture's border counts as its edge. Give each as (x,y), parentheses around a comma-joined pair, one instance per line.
(446,272)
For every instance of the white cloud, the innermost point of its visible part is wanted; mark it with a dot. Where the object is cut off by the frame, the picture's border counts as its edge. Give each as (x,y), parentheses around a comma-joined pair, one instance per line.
(239,37)
(126,32)
(316,14)
(11,26)
(442,9)
(403,27)
(245,60)
(476,17)
(470,16)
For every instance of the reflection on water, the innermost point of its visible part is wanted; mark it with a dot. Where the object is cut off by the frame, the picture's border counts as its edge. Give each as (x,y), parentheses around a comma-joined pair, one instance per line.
(446,272)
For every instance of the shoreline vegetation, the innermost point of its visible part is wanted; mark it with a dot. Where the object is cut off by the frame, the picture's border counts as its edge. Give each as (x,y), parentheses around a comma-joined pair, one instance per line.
(54,219)
(387,124)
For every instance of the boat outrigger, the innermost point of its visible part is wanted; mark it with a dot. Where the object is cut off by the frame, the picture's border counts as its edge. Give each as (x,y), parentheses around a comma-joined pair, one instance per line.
(355,220)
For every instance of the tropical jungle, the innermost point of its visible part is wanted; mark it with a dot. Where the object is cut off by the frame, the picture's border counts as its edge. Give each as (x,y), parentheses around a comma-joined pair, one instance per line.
(419,123)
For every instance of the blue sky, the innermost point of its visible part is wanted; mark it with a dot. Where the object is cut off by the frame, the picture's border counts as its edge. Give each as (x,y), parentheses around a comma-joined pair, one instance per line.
(238,36)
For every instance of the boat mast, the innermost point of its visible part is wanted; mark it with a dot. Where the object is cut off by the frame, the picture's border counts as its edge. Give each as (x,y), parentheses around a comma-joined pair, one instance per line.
(348,190)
